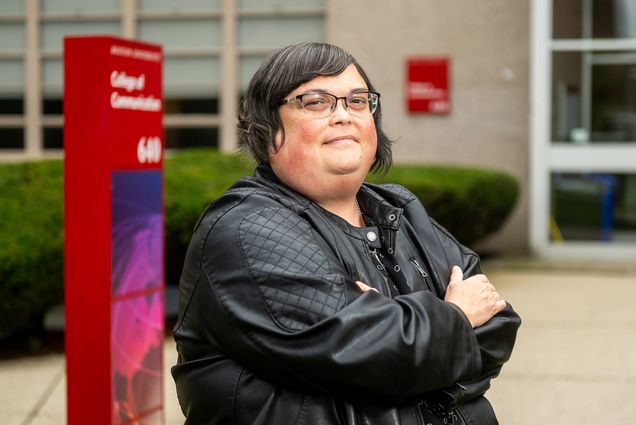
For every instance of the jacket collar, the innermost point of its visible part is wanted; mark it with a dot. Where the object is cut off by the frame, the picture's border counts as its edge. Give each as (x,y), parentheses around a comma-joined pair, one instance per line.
(373,205)
(383,213)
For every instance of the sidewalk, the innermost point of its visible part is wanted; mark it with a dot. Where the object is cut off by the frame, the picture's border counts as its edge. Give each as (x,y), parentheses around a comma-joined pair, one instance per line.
(574,363)
(575,357)
(33,390)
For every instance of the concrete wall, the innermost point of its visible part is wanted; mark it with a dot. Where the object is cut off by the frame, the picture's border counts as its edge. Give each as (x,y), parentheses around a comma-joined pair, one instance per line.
(488,44)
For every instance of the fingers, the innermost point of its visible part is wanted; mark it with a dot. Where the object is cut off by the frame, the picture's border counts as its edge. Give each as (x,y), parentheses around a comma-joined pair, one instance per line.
(476,296)
(364,287)
(456,275)
(500,305)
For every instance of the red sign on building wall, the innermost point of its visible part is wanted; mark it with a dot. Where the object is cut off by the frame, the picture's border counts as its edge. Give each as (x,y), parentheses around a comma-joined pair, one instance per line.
(113,218)
(428,85)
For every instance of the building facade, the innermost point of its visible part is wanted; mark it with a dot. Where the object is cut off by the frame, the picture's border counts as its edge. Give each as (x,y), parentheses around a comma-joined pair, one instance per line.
(542,89)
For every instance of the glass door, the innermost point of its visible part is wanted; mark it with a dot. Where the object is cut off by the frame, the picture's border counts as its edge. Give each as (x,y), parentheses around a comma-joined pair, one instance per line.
(583,141)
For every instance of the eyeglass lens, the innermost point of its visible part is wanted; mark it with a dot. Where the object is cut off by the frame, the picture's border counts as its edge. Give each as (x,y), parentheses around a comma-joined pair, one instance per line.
(362,103)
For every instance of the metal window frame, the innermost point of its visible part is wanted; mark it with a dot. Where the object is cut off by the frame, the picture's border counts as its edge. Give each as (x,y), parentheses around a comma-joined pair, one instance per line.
(547,157)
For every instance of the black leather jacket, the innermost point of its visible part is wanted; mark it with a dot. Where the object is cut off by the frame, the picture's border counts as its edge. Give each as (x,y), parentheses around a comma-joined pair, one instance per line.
(272,328)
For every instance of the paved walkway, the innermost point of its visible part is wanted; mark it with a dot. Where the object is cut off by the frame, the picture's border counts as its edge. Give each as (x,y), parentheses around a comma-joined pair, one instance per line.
(575,360)
(575,357)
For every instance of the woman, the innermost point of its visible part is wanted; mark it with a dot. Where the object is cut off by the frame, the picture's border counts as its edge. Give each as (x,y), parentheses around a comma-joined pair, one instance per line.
(310,297)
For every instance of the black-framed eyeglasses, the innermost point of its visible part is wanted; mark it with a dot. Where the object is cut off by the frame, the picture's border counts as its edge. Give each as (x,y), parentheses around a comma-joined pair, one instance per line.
(361,103)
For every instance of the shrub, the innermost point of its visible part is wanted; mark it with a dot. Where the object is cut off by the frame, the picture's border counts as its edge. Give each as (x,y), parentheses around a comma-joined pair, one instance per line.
(31,231)
(192,179)
(470,203)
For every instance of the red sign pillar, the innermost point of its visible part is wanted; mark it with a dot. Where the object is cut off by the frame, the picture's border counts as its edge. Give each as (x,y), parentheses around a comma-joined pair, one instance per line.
(113,213)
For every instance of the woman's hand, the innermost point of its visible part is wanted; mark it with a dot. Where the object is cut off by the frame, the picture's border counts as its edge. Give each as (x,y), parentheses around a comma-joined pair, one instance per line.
(475,296)
(364,287)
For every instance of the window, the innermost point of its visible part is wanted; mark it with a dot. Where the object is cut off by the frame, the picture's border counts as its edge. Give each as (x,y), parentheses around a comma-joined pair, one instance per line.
(574,19)
(11,138)
(593,206)
(594,96)
(583,200)
(199,106)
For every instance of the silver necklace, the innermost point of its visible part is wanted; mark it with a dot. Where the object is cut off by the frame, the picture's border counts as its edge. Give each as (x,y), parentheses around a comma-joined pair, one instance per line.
(360,212)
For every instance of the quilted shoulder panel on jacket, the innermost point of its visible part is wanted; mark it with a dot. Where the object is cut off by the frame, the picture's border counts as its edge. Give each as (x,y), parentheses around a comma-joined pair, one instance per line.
(292,272)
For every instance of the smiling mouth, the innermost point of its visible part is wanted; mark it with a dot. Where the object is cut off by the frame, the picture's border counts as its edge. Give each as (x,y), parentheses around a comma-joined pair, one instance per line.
(341,140)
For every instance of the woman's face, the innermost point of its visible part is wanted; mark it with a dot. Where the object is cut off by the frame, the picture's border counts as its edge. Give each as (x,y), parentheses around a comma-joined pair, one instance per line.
(325,157)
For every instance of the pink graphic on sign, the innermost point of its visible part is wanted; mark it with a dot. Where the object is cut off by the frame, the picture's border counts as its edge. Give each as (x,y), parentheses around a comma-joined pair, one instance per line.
(137,306)
(136,352)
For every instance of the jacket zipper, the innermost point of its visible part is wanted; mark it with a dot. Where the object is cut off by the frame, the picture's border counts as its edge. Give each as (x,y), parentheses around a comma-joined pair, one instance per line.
(457,417)
(422,273)
(374,252)
(419,268)
(418,412)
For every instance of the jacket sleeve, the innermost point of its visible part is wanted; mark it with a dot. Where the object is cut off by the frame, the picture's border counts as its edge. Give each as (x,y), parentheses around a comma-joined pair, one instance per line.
(442,251)
(270,295)
(496,337)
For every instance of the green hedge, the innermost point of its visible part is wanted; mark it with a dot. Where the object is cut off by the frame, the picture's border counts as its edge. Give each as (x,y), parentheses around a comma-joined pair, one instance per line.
(470,203)
(31,235)
(192,179)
